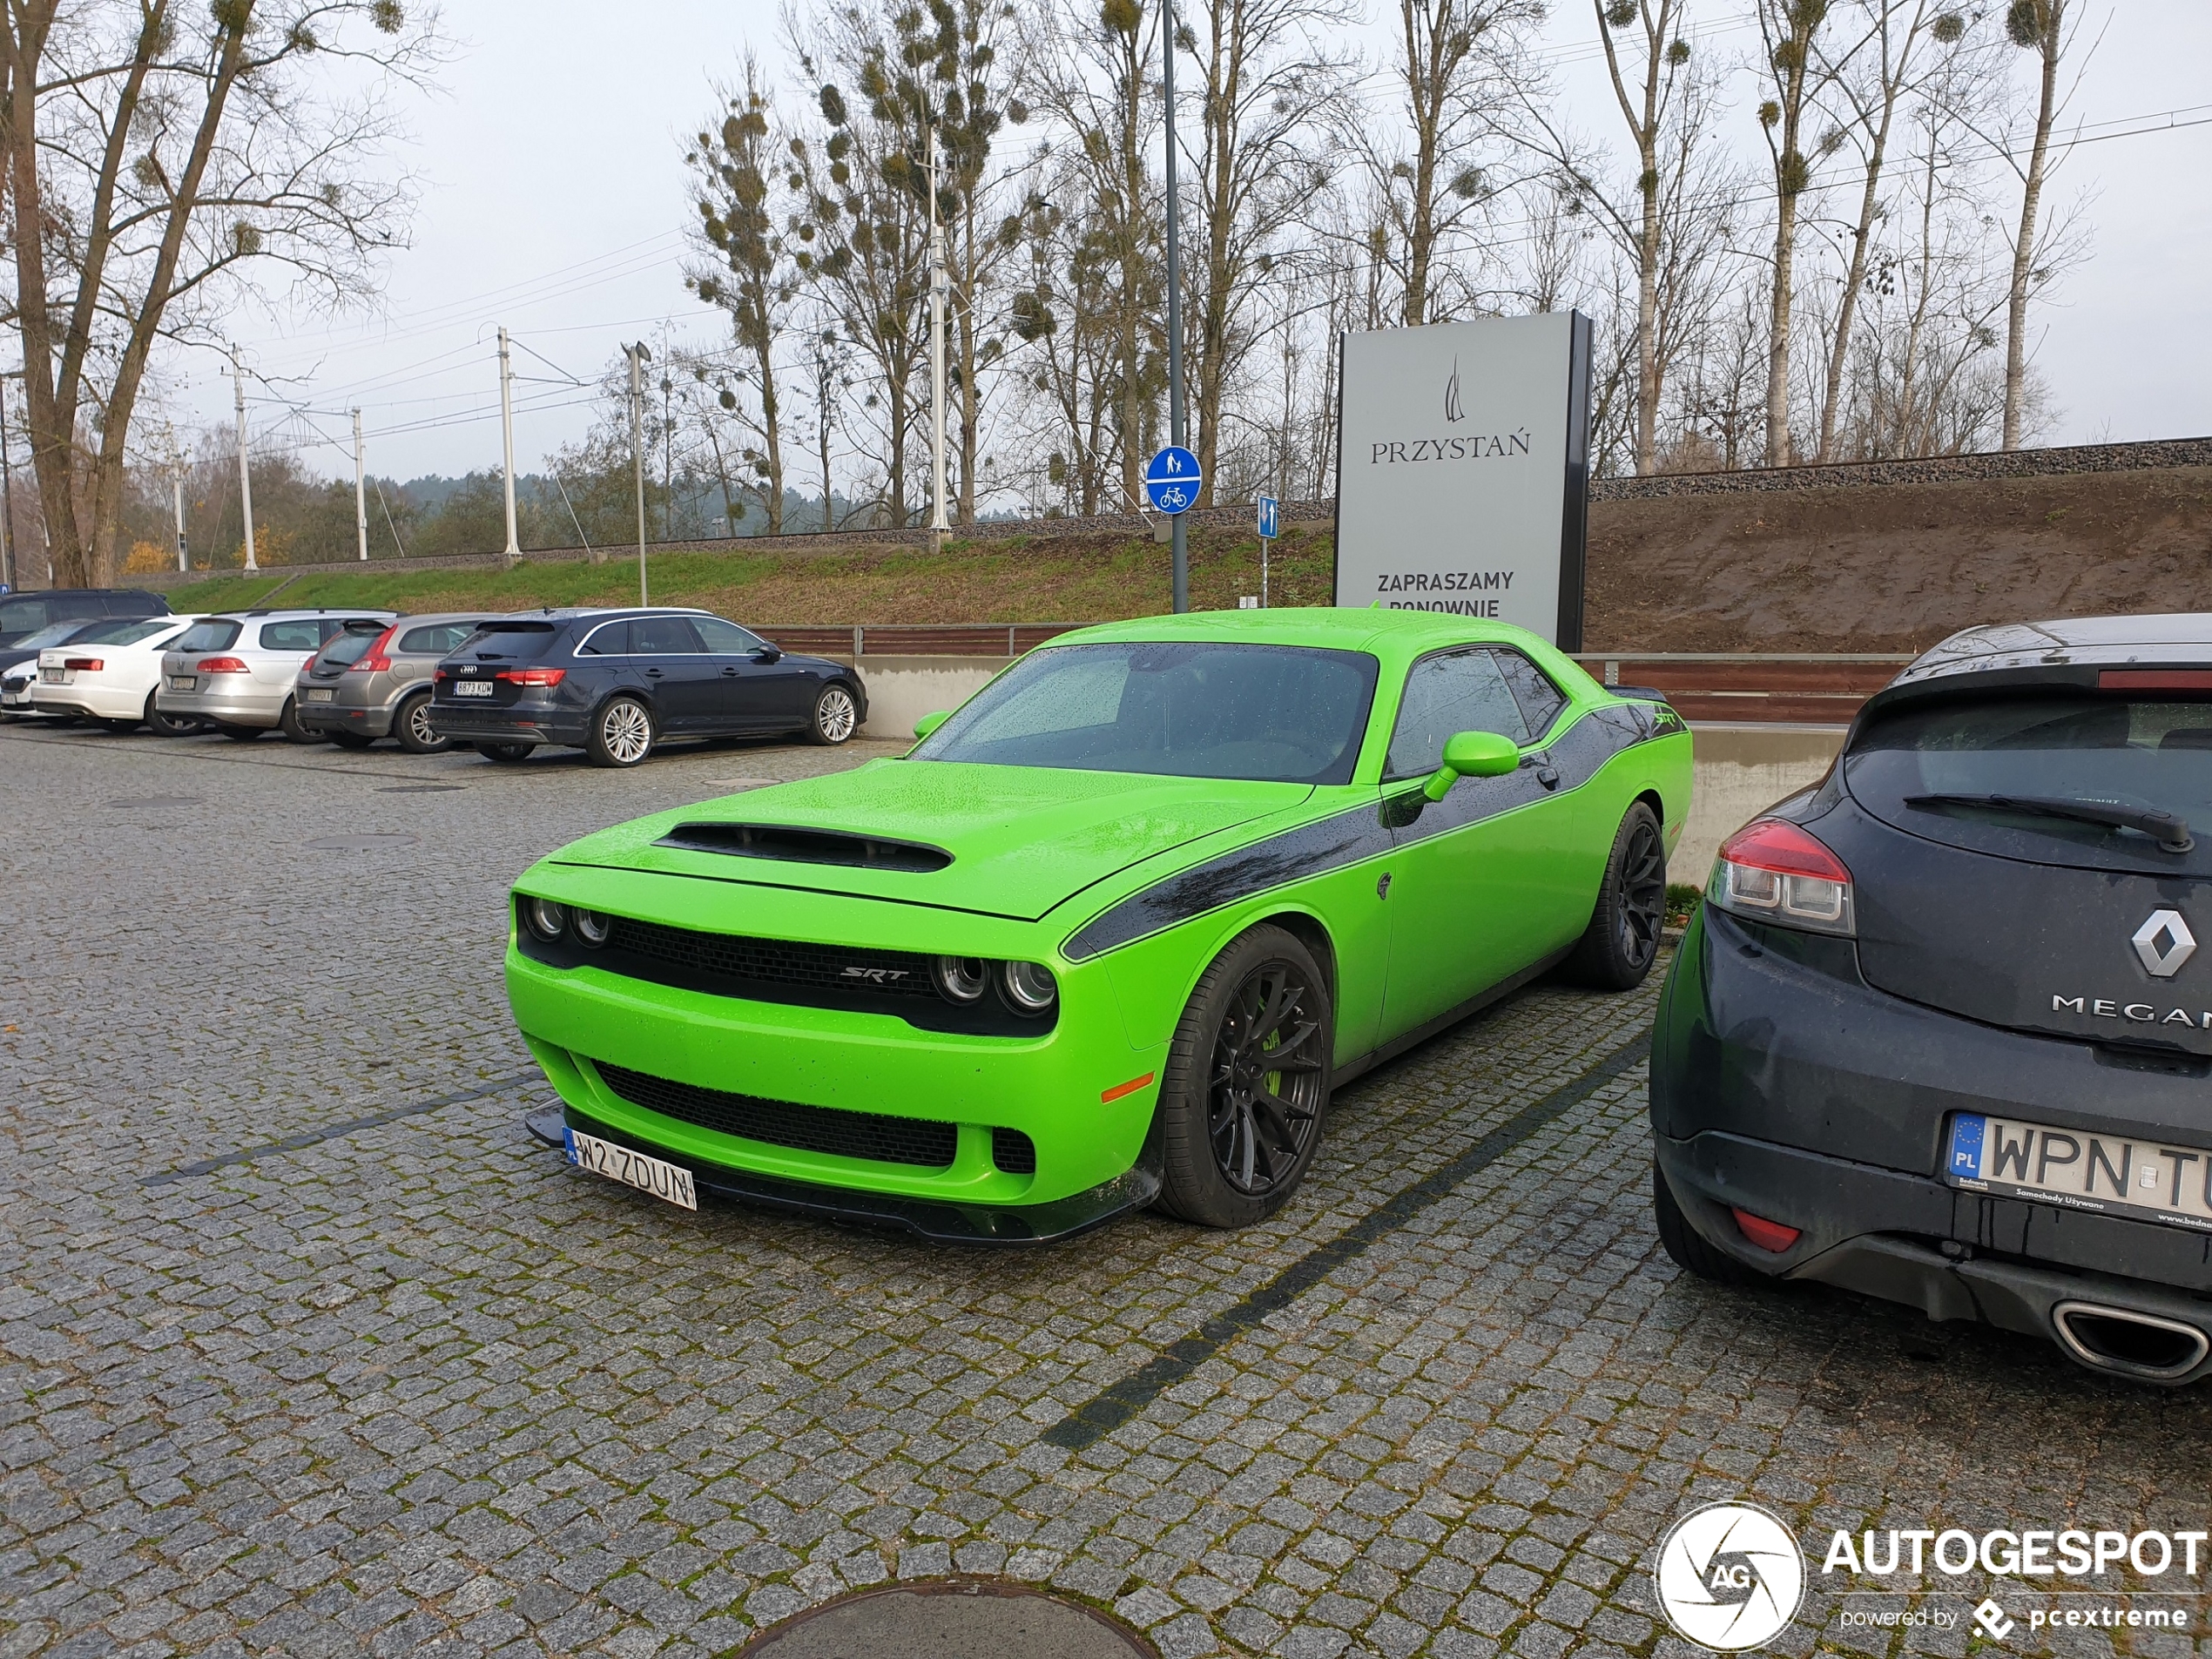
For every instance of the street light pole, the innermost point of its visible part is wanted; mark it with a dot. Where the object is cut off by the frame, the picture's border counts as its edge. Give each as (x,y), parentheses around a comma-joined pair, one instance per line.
(1175,299)
(244,478)
(638,358)
(938,283)
(361,495)
(513,551)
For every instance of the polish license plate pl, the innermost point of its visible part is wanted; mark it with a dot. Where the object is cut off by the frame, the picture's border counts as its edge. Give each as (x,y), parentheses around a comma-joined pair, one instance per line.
(664,1180)
(182,682)
(472,688)
(320,694)
(2078,1168)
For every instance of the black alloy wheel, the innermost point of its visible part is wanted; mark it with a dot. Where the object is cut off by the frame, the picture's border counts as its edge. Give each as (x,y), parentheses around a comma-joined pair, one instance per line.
(411,726)
(289,723)
(1247,1083)
(506,753)
(1618,947)
(168,725)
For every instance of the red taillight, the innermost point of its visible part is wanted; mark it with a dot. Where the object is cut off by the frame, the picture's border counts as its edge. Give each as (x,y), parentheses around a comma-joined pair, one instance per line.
(223,665)
(84,665)
(1767,1235)
(532,675)
(376,662)
(1772,871)
(2155,679)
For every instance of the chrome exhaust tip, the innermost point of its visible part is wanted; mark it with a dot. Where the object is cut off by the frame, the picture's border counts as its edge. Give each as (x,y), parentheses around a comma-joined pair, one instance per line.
(2118,1339)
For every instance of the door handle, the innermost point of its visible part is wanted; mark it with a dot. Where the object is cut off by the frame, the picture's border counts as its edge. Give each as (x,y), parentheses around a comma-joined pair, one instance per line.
(729,673)
(652,673)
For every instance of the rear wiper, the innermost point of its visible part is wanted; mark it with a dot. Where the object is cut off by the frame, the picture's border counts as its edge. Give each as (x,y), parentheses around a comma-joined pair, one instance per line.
(2170,832)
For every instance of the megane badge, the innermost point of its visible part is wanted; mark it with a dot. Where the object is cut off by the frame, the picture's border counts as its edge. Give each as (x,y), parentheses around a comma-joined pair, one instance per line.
(2163,962)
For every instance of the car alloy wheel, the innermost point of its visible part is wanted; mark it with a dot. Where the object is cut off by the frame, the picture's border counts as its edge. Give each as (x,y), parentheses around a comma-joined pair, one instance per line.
(1618,947)
(1246,1084)
(289,723)
(835,716)
(413,728)
(623,735)
(1642,909)
(168,725)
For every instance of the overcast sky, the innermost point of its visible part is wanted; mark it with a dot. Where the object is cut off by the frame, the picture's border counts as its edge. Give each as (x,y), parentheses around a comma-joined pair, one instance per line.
(554,203)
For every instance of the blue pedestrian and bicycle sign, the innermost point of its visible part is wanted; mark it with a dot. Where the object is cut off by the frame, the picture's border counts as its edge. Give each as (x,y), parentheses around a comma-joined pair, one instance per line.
(1270,517)
(1171,480)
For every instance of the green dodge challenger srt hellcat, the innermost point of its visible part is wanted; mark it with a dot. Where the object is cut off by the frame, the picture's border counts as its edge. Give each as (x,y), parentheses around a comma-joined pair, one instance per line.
(1110,933)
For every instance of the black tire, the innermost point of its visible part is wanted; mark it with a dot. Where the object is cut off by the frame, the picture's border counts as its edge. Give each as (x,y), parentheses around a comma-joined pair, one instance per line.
(289,723)
(168,725)
(506,753)
(350,739)
(1222,1162)
(239,733)
(121,728)
(1617,949)
(622,733)
(1687,1248)
(836,716)
(411,726)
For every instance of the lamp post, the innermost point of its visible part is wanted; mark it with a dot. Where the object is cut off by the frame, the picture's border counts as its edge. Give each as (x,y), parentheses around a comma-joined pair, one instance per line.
(638,358)
(1182,552)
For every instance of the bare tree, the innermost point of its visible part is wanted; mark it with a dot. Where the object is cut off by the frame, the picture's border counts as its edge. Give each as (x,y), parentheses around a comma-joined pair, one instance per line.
(1789,32)
(1461,65)
(736,172)
(159,157)
(2045,28)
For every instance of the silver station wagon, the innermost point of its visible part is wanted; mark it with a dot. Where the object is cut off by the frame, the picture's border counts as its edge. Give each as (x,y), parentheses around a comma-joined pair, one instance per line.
(238,671)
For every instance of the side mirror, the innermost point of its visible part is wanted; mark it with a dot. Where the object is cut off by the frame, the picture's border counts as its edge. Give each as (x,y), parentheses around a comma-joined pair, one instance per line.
(1471,754)
(929,722)
(768,653)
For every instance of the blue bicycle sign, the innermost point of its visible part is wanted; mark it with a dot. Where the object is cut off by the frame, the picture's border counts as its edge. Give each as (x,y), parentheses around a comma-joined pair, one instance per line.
(1171,480)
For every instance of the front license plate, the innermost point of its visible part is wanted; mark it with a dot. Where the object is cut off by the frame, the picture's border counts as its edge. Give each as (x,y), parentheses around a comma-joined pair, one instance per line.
(632,1169)
(2078,1170)
(472,688)
(320,694)
(182,682)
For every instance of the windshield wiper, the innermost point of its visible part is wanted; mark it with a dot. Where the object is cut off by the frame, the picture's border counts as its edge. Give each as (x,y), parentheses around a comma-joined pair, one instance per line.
(2170,832)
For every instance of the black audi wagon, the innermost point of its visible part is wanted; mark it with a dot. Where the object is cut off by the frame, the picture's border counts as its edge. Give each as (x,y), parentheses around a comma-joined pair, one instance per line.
(616,683)
(1942,1031)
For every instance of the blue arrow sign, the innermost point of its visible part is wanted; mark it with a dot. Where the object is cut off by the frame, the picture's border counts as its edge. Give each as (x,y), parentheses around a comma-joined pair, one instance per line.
(1271,515)
(1171,480)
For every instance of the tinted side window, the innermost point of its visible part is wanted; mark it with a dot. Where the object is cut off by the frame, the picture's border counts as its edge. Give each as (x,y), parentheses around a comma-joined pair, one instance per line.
(1462,691)
(218,634)
(1541,701)
(609,639)
(292,635)
(21,616)
(437,639)
(662,636)
(725,639)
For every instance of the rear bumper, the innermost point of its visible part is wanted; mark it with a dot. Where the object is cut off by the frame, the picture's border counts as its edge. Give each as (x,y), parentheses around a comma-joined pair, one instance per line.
(508,725)
(336,716)
(97,702)
(262,708)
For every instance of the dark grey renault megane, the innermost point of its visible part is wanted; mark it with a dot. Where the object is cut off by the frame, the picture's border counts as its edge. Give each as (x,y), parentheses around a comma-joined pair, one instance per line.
(616,683)
(1942,1032)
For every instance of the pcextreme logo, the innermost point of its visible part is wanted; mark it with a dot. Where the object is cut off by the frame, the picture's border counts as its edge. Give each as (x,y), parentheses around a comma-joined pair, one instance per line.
(1730,1576)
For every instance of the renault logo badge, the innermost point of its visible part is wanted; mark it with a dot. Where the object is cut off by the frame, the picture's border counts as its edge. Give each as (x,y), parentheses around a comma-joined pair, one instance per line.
(2163,962)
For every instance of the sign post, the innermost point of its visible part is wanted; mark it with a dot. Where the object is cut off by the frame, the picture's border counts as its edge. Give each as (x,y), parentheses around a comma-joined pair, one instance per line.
(1270,515)
(1463,470)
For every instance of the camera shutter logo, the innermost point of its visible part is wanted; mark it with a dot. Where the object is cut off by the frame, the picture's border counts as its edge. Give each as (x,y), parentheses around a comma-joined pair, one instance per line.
(1730,1576)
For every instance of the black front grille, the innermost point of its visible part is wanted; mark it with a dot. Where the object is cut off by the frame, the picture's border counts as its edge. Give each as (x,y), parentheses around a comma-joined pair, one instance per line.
(783,1122)
(777,962)
(1014,1152)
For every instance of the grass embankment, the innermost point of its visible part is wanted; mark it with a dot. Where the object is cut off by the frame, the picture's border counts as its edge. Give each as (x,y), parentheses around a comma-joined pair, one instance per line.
(1071,579)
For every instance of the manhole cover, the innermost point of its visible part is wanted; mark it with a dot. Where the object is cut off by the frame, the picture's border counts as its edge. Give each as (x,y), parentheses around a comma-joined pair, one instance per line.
(955,1619)
(157,800)
(359,843)
(419,789)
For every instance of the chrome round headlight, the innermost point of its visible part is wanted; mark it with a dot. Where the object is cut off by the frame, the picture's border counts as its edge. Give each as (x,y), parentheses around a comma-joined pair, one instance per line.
(544,918)
(960,978)
(1028,986)
(591,926)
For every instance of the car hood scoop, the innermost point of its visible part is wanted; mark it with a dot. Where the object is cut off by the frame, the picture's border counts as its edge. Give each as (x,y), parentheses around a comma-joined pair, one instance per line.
(797,846)
(1012,841)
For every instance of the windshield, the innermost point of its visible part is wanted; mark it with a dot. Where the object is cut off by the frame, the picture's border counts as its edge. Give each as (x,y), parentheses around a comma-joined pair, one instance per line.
(54,633)
(1256,713)
(217,633)
(352,644)
(518,640)
(127,631)
(2077,747)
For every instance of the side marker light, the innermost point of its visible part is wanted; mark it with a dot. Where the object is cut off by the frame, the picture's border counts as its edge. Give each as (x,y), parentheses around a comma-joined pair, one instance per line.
(1129,1088)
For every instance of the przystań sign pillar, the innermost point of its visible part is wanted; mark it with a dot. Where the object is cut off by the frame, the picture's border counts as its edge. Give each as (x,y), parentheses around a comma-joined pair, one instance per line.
(1463,470)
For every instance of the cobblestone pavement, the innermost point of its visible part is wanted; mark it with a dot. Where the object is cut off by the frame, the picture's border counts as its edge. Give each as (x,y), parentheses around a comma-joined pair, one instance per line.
(416,1387)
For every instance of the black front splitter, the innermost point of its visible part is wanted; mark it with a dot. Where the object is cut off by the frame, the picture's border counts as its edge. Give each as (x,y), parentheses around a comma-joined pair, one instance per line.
(946,1224)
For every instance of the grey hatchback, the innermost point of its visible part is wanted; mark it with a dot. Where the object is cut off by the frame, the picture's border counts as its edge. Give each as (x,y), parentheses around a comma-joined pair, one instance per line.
(372,681)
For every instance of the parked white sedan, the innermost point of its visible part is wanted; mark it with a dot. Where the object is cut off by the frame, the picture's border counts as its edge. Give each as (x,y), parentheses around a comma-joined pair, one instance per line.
(110,675)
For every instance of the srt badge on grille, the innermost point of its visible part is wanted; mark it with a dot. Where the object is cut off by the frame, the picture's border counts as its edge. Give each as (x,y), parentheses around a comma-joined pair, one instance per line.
(2164,961)
(876,975)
